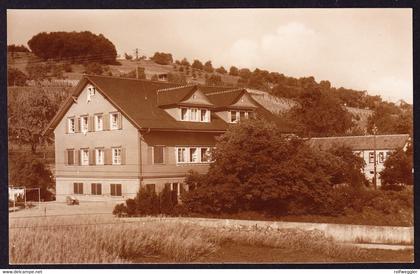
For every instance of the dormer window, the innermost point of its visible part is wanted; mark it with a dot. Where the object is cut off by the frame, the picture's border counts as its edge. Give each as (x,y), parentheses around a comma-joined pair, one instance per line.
(236,116)
(233,116)
(204,115)
(195,115)
(184,114)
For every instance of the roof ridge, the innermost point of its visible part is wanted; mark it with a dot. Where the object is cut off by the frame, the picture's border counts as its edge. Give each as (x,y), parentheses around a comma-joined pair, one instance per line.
(224,91)
(361,136)
(177,87)
(127,78)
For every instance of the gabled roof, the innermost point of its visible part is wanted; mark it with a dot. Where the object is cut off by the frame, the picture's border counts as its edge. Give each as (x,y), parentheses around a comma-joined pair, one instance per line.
(223,99)
(138,101)
(171,96)
(176,96)
(366,142)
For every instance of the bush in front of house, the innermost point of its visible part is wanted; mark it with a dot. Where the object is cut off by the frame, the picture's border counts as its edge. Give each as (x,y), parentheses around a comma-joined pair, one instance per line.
(257,168)
(148,203)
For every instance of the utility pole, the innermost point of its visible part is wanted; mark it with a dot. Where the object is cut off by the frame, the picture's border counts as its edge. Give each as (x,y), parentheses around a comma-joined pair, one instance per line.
(374,130)
(137,54)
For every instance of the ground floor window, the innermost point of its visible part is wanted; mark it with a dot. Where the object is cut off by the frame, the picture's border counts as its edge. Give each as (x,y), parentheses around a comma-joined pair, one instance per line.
(116,190)
(78,188)
(96,189)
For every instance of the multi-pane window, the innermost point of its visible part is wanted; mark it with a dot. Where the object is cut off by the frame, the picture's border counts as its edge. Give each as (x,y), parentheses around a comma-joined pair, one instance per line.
(116,156)
(96,189)
(91,91)
(233,116)
(193,114)
(381,157)
(71,125)
(204,115)
(116,190)
(158,154)
(84,124)
(84,156)
(99,156)
(113,120)
(181,155)
(205,154)
(70,156)
(371,157)
(193,155)
(78,188)
(184,114)
(99,122)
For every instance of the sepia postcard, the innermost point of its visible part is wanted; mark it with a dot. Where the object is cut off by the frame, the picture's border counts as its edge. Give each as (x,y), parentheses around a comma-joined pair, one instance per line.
(210,136)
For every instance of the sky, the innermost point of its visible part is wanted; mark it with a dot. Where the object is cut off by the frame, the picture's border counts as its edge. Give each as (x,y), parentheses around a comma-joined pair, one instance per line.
(362,49)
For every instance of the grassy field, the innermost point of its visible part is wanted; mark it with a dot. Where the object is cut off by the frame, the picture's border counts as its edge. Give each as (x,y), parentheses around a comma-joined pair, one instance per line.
(105,239)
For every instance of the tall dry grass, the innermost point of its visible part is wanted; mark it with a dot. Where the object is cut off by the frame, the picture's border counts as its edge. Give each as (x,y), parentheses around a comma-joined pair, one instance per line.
(55,240)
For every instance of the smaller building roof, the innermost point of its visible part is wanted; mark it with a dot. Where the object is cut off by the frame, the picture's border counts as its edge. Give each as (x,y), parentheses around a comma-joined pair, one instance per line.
(366,142)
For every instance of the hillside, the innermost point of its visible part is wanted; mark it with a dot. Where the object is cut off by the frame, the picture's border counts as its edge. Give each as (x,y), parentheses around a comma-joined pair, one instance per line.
(273,103)
(21,60)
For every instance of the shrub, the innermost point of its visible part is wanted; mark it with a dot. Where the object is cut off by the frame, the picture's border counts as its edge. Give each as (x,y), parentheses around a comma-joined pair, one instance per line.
(94,68)
(120,210)
(147,202)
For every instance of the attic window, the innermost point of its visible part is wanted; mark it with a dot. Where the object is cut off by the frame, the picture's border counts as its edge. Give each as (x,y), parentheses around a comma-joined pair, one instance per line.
(92,91)
(193,96)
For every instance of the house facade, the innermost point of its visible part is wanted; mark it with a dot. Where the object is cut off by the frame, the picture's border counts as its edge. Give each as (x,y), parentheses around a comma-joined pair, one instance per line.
(114,135)
(365,147)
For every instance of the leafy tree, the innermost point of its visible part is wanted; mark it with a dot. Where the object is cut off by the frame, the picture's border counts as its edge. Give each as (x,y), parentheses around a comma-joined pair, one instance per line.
(244,73)
(162,58)
(30,117)
(234,71)
(185,62)
(197,65)
(214,80)
(27,170)
(349,173)
(208,67)
(76,46)
(15,77)
(398,169)
(221,70)
(257,168)
(389,119)
(318,114)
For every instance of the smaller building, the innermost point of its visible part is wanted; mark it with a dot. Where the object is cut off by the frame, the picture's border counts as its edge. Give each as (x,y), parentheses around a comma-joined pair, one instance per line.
(365,146)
